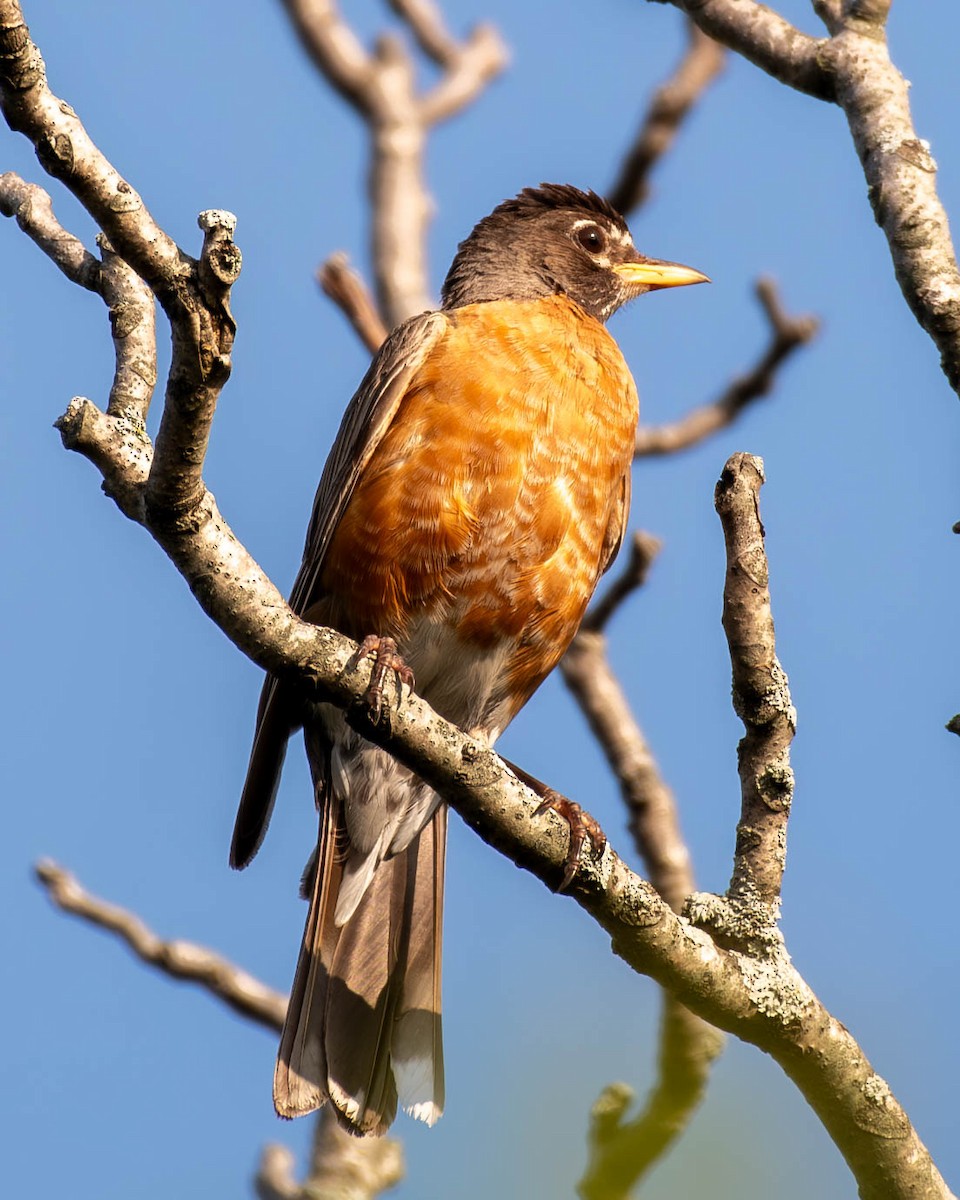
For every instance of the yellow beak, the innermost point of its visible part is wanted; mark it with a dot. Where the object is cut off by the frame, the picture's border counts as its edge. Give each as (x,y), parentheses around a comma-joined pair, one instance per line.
(651,274)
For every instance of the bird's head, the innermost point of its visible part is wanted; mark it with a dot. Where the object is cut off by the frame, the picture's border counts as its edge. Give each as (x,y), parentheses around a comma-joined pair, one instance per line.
(557,239)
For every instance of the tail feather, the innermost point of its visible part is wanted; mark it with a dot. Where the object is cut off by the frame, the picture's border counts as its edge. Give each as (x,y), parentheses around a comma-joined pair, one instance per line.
(364,1016)
(417,1039)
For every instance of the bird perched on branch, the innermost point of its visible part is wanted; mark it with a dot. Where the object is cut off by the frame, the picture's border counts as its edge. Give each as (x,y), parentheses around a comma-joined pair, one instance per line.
(477,490)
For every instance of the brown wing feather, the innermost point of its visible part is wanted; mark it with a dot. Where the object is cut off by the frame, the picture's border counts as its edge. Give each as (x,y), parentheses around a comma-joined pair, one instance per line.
(367,418)
(613,538)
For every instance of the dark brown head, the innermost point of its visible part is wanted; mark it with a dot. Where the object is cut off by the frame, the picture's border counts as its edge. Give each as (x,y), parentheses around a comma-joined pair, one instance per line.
(556,239)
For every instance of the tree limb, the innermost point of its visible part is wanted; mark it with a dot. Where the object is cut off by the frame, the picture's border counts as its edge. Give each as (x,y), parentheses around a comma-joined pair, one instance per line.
(129,300)
(765,38)
(761,693)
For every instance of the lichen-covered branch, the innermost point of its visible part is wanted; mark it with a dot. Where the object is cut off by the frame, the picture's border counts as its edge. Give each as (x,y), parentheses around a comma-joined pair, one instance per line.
(381,86)
(194,295)
(671,104)
(761,694)
(66,152)
(901,177)
(787,334)
(127,297)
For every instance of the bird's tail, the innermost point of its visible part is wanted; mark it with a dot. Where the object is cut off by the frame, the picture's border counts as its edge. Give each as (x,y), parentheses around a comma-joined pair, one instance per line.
(363,1022)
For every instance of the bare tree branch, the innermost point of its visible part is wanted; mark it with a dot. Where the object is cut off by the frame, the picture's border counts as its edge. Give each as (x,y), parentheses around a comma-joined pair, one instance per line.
(761,693)
(178,959)
(67,153)
(765,38)
(33,209)
(644,548)
(830,13)
(193,294)
(653,818)
(382,88)
(852,68)
(133,325)
(671,105)
(127,297)
(349,293)
(787,334)
(425,22)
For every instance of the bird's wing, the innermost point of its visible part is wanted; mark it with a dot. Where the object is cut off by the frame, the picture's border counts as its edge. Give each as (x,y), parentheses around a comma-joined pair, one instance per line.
(368,416)
(617,526)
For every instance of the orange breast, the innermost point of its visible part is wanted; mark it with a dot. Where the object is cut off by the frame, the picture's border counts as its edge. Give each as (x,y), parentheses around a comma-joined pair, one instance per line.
(489,498)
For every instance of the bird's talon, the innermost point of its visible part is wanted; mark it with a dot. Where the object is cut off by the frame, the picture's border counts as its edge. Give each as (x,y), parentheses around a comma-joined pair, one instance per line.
(385,659)
(582,826)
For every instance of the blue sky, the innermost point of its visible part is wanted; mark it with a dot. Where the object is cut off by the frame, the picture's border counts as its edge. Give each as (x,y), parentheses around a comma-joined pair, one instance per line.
(128,714)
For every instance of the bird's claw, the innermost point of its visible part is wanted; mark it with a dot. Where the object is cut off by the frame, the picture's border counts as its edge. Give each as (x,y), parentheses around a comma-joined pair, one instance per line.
(582,825)
(385,659)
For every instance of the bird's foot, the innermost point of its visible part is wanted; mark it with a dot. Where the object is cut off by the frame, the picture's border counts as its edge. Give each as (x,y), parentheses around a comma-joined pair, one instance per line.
(582,826)
(385,659)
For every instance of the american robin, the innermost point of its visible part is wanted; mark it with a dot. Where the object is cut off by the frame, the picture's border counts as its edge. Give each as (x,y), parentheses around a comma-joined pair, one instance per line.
(477,490)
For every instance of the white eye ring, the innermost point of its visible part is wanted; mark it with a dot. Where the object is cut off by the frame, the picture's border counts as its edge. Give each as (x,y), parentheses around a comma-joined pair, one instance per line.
(591,238)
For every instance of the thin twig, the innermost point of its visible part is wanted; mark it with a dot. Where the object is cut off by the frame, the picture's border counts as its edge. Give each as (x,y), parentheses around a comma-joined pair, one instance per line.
(787,334)
(348,1167)
(346,289)
(133,326)
(194,295)
(66,152)
(672,103)
(178,959)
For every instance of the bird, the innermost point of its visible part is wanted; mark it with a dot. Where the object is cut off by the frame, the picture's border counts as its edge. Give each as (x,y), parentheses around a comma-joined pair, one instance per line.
(477,489)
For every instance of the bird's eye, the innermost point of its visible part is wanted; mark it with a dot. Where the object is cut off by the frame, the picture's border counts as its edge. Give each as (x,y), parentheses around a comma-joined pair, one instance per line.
(591,238)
